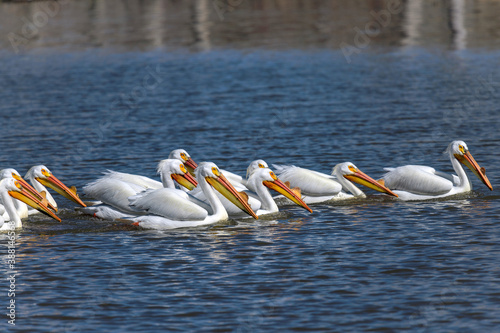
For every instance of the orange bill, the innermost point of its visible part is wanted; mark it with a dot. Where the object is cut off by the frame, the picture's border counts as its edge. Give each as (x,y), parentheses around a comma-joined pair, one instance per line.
(34,192)
(471,163)
(55,184)
(365,180)
(29,199)
(185,180)
(281,188)
(222,185)
(190,165)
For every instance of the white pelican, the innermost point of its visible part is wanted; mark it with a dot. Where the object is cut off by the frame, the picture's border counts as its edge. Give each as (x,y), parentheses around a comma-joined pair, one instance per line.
(418,182)
(261,180)
(115,188)
(183,156)
(40,176)
(239,184)
(181,212)
(163,169)
(318,187)
(21,207)
(170,170)
(11,188)
(237,181)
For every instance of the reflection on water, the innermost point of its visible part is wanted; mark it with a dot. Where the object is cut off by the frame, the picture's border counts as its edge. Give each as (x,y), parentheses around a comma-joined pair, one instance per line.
(442,23)
(202,25)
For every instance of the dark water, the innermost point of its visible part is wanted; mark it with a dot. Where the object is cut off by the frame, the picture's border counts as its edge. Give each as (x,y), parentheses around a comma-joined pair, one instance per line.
(366,265)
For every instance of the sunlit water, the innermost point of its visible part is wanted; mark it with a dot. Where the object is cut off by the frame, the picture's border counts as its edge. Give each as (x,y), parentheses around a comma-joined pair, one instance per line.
(374,264)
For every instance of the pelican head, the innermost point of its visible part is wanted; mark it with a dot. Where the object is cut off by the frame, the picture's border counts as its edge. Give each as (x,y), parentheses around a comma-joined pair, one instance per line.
(177,171)
(12,173)
(460,151)
(16,190)
(211,173)
(183,156)
(43,175)
(349,171)
(9,172)
(255,165)
(270,180)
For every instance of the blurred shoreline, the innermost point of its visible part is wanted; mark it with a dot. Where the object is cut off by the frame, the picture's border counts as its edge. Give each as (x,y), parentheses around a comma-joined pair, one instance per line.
(202,25)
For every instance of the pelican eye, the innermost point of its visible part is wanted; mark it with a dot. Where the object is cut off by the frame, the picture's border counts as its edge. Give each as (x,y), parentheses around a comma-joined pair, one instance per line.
(184,157)
(183,168)
(45,173)
(273,176)
(15,176)
(216,171)
(260,165)
(18,185)
(462,149)
(352,168)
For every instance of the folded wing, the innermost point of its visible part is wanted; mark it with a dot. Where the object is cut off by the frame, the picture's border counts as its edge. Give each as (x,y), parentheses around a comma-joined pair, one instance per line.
(142,181)
(310,182)
(170,203)
(112,192)
(417,179)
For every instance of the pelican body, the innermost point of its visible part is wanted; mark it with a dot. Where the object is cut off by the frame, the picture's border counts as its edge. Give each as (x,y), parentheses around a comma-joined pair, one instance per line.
(115,188)
(179,212)
(170,170)
(318,187)
(165,169)
(418,182)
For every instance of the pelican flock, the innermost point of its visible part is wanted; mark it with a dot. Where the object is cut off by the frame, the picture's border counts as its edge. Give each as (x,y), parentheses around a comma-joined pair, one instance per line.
(36,196)
(189,194)
(114,189)
(178,211)
(11,189)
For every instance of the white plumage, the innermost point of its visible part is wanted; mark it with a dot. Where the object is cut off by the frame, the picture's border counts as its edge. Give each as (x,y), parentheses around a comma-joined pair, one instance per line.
(209,176)
(10,188)
(418,182)
(115,188)
(263,179)
(142,181)
(418,179)
(113,192)
(318,187)
(21,208)
(161,201)
(40,176)
(185,158)
(239,184)
(310,182)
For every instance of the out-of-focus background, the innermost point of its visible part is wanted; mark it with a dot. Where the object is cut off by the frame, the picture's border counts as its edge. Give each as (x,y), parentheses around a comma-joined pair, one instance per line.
(238,24)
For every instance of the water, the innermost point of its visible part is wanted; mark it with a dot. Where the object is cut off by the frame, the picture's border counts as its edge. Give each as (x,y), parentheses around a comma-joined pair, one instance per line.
(124,103)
